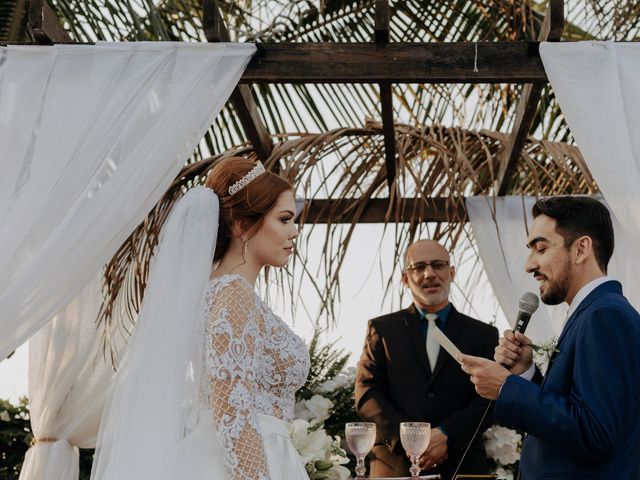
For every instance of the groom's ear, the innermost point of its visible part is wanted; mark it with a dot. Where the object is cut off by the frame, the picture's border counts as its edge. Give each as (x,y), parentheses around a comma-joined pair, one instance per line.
(405,279)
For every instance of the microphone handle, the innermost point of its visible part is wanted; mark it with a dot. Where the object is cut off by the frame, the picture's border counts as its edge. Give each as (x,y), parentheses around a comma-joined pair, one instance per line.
(522,321)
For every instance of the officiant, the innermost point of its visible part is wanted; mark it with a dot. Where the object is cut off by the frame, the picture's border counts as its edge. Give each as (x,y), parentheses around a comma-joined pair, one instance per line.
(404,376)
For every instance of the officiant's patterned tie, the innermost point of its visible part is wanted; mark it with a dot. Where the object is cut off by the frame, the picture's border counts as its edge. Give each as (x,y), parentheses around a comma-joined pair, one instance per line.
(433,347)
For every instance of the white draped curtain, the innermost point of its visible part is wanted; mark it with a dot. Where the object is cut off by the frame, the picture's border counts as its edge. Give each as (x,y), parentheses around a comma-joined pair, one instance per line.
(68,382)
(596,84)
(91,137)
(499,226)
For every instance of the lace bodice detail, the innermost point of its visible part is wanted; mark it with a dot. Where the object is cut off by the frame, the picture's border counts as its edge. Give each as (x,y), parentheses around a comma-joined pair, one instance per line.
(254,363)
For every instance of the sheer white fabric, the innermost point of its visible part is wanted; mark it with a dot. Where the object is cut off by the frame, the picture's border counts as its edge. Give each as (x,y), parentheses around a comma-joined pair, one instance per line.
(254,365)
(500,229)
(596,84)
(155,390)
(91,137)
(68,381)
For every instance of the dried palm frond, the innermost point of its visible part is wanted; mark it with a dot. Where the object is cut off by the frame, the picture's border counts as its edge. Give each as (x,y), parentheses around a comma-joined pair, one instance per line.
(348,164)
(312,108)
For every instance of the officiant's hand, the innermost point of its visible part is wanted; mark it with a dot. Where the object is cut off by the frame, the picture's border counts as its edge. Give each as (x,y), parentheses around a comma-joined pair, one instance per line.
(514,351)
(437,451)
(487,375)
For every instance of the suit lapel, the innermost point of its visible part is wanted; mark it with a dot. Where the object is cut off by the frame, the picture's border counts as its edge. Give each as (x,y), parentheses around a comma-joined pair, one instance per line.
(413,324)
(452,329)
(607,287)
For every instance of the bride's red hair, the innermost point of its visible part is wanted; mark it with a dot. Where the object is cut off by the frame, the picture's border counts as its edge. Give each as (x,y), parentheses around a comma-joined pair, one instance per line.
(247,206)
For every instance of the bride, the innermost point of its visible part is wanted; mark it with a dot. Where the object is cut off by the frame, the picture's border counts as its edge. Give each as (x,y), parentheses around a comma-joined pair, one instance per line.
(207,388)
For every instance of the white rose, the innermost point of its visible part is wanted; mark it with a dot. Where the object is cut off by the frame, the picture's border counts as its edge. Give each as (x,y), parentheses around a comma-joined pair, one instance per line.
(329,385)
(502,444)
(4,416)
(504,474)
(301,411)
(339,381)
(310,445)
(316,408)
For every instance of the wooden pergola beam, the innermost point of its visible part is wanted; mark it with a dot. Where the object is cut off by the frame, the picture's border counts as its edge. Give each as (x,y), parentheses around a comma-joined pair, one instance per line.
(241,98)
(438,209)
(435,62)
(551,30)
(13,27)
(45,25)
(383,17)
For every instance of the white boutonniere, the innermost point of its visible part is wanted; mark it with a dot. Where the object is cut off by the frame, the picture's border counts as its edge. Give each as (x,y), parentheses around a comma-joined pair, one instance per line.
(543,352)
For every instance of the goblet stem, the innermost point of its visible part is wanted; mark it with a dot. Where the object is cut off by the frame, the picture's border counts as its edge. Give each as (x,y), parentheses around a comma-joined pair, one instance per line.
(360,468)
(415,469)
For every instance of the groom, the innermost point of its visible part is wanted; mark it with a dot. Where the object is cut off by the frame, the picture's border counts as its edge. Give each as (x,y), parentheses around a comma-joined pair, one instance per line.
(583,417)
(403,376)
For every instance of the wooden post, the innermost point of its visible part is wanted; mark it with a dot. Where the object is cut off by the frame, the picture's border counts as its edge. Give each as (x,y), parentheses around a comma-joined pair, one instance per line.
(241,98)
(551,30)
(383,16)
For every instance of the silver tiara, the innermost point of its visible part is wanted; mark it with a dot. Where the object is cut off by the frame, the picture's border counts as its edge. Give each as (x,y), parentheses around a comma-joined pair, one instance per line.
(254,173)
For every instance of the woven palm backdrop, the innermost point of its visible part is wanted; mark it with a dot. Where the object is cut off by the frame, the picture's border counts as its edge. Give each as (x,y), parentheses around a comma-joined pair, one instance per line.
(450,138)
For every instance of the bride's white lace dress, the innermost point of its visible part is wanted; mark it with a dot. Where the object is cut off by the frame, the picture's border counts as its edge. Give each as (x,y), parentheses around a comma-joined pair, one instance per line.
(253,364)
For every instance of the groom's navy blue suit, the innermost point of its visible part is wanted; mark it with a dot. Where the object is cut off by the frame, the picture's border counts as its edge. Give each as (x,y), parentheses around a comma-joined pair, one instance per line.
(583,418)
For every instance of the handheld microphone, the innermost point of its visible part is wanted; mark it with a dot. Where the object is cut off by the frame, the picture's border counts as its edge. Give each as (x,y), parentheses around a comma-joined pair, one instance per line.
(527,306)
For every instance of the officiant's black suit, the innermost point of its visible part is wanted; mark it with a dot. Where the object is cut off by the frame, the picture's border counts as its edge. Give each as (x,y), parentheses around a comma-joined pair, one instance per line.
(394,384)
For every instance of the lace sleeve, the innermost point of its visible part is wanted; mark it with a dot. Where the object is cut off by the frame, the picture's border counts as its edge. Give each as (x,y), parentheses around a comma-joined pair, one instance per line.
(234,343)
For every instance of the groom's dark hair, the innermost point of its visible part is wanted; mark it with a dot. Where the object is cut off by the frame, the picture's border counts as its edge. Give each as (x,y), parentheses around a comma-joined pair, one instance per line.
(579,216)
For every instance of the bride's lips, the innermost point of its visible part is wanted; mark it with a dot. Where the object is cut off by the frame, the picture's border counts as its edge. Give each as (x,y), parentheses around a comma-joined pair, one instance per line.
(289,250)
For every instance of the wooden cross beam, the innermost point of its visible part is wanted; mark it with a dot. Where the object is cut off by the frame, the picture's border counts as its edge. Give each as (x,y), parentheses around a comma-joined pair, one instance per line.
(431,62)
(527,104)
(383,15)
(437,209)
(241,98)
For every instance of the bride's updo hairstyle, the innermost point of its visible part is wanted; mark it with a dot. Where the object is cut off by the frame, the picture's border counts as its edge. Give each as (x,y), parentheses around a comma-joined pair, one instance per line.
(248,205)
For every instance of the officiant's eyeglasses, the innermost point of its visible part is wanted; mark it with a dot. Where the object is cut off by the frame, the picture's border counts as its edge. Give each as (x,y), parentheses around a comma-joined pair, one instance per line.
(420,267)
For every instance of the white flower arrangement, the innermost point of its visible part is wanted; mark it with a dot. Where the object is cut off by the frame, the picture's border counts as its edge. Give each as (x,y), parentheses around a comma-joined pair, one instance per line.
(542,353)
(323,406)
(503,446)
(322,455)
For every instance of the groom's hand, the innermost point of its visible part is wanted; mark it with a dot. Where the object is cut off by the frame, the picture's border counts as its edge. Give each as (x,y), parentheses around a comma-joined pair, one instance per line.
(437,452)
(514,351)
(487,375)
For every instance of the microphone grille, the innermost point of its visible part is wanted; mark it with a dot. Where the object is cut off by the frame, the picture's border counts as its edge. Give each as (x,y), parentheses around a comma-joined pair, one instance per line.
(529,302)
